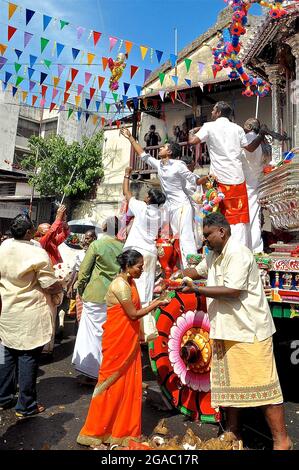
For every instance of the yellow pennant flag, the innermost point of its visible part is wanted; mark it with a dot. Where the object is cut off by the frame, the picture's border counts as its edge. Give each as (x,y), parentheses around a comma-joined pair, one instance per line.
(94,119)
(90,58)
(3,48)
(11,9)
(77,101)
(143,51)
(24,95)
(56,81)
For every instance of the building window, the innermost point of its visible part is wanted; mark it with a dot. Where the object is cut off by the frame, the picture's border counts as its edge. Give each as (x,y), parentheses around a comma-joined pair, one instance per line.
(50,128)
(27,128)
(7,189)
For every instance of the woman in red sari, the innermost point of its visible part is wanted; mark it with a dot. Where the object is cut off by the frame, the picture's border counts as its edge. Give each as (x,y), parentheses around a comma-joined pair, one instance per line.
(114,415)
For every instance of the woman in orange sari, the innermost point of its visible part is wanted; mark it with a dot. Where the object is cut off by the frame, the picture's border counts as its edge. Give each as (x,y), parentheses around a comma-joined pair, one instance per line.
(114,415)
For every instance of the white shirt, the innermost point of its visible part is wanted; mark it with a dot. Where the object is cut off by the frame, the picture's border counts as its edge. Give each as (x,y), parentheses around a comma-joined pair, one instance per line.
(225,141)
(243,318)
(173,177)
(252,162)
(145,226)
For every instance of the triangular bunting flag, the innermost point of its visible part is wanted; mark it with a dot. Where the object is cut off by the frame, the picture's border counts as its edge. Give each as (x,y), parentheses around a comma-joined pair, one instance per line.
(86,116)
(175,78)
(68,85)
(80,89)
(61,108)
(44,90)
(115,96)
(134,69)
(143,51)
(172,96)
(100,81)
(24,95)
(104,62)
(94,119)
(126,87)
(17,67)
(90,58)
(11,9)
(19,80)
(88,76)
(27,37)
(209,87)
(43,44)
(10,32)
(91,92)
(8,75)
(118,123)
(103,95)
(128,46)
(14,90)
(87,101)
(56,81)
(138,88)
(125,99)
(34,98)
(4,85)
(201,85)
(52,106)
(188,63)
(31,85)
(63,24)
(70,112)
(162,93)
(59,48)
(80,32)
(29,15)
(46,21)
(75,53)
(42,102)
(173,59)
(96,37)
(135,102)
(201,67)
(214,70)
(3,48)
(77,100)
(60,69)
(18,53)
(188,81)
(32,60)
(47,63)
(147,73)
(159,55)
(103,121)
(74,73)
(107,107)
(43,77)
(161,77)
(65,97)
(112,42)
(98,103)
(54,93)
(79,114)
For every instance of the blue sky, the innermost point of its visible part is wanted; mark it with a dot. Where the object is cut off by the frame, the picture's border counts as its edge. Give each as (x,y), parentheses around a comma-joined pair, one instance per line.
(150,23)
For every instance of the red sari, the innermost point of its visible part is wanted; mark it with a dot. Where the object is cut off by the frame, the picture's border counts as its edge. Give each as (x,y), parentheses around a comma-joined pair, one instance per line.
(114,414)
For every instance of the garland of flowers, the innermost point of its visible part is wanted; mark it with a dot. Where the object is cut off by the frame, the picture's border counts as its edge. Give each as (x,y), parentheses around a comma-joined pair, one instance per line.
(210,200)
(226,53)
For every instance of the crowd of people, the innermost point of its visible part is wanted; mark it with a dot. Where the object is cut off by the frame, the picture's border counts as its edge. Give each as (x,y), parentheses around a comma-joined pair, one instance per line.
(113,283)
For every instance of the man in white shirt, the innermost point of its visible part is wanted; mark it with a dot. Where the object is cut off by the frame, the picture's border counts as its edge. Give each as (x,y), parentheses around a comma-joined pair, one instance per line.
(226,141)
(243,367)
(173,175)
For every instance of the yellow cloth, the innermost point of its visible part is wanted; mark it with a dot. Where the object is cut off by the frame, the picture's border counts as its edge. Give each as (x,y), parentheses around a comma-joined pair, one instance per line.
(244,374)
(25,321)
(118,291)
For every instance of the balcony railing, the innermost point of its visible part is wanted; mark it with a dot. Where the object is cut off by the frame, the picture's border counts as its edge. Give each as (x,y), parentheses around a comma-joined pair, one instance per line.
(199,151)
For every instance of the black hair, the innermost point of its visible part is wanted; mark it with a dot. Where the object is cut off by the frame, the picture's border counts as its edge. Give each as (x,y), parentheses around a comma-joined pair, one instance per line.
(224,108)
(128,258)
(175,149)
(188,159)
(152,126)
(19,226)
(218,220)
(157,197)
(111,226)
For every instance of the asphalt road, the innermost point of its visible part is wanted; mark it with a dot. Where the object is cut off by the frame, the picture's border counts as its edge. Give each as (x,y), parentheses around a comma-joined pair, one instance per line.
(67,404)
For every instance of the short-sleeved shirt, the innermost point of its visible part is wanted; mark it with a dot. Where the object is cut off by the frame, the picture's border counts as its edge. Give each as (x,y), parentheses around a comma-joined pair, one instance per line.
(252,163)
(243,318)
(144,231)
(173,177)
(225,141)
(25,270)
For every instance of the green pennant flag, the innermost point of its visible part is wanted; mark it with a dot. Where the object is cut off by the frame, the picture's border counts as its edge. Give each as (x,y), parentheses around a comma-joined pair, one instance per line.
(161,76)
(17,67)
(70,112)
(107,107)
(43,43)
(63,24)
(19,80)
(47,63)
(115,96)
(188,63)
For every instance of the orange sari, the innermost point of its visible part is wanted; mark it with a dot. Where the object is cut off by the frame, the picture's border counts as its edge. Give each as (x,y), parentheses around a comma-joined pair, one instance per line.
(114,414)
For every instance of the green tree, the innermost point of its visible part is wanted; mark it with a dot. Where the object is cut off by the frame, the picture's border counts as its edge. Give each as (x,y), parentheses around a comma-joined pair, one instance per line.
(52,161)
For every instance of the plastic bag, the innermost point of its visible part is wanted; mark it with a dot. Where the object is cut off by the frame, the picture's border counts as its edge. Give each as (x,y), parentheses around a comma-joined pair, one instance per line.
(148,329)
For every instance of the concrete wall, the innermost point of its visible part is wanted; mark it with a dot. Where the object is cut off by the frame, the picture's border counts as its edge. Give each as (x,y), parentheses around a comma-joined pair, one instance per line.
(9,114)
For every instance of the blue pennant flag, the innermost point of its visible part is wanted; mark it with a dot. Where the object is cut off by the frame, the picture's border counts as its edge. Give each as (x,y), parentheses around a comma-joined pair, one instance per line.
(87,101)
(98,104)
(59,48)
(86,117)
(175,78)
(188,81)
(125,99)
(159,55)
(79,114)
(126,87)
(14,90)
(135,102)
(8,75)
(173,59)
(19,53)
(29,15)
(30,72)
(32,60)
(75,53)
(4,85)
(43,77)
(46,21)
(138,88)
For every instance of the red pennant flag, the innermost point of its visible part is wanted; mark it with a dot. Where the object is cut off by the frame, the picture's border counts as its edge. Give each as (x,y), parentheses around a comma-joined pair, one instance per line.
(134,69)
(91,92)
(44,90)
(172,96)
(68,85)
(101,81)
(66,97)
(96,37)
(209,87)
(104,62)
(52,106)
(118,123)
(34,98)
(103,120)
(10,32)
(74,73)
(214,71)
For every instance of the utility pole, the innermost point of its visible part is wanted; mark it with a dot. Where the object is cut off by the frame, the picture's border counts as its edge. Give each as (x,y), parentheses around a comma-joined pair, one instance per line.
(36,161)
